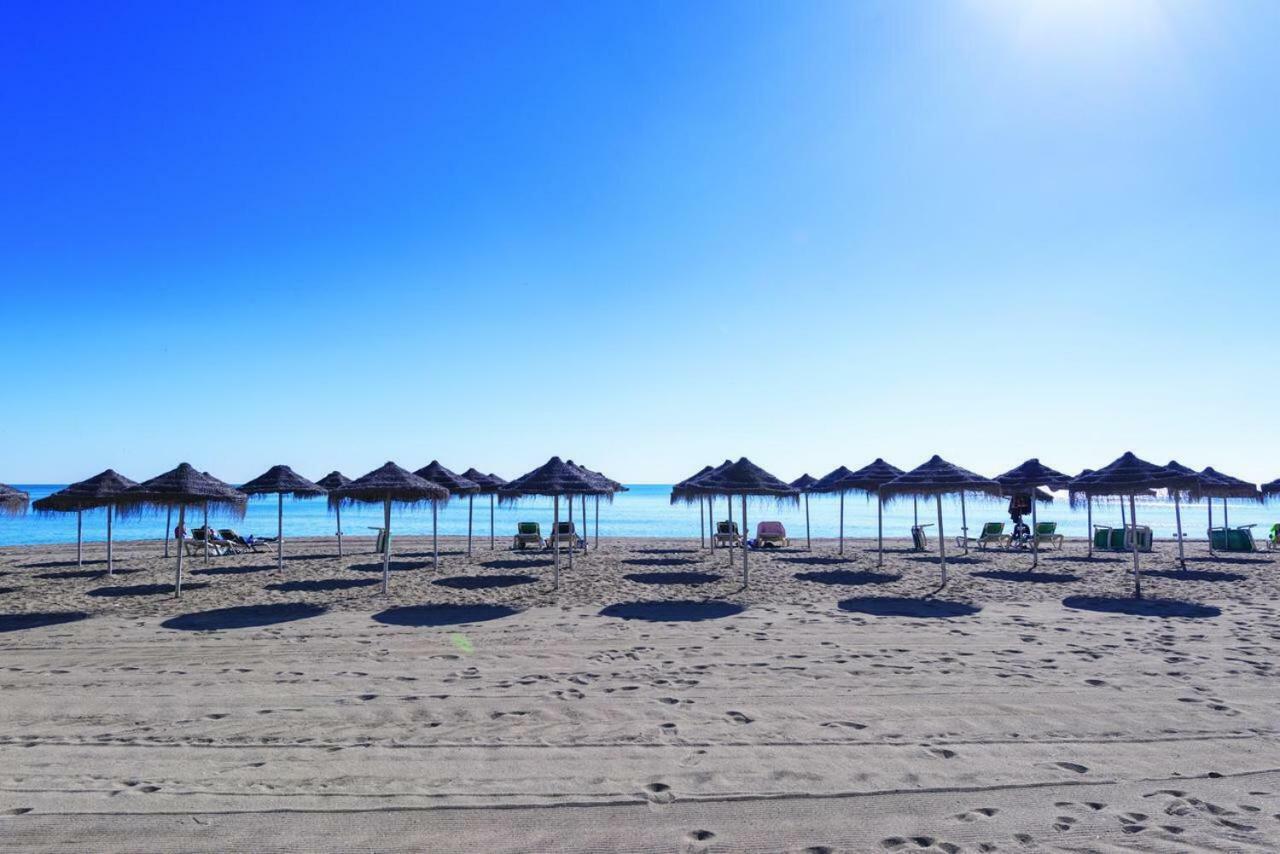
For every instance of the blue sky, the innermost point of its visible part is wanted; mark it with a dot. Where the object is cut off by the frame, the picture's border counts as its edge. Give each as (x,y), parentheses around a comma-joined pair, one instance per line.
(644,235)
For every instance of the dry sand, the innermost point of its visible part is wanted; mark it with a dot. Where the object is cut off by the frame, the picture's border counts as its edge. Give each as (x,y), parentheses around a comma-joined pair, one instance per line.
(650,704)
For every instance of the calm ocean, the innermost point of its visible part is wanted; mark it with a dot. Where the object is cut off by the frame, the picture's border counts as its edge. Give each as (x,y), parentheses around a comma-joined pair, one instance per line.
(645,511)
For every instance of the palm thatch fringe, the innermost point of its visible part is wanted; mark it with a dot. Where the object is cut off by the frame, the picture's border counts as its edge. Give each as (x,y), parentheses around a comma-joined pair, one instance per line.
(333,480)
(939,477)
(552,478)
(741,478)
(1215,484)
(13,502)
(803,482)
(489,483)
(282,480)
(101,490)
(456,484)
(184,486)
(388,482)
(1128,476)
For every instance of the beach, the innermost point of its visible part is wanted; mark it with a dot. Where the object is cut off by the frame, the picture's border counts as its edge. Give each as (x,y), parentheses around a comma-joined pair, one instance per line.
(648,704)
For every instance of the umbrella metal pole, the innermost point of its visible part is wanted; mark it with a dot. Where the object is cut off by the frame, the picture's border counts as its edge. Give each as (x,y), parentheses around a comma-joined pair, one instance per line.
(880,527)
(177,578)
(808,540)
(915,510)
(491,541)
(1226,524)
(1035,540)
(1089,524)
(1210,503)
(711,520)
(595,542)
(79,538)
(729,516)
(339,509)
(110,560)
(585,529)
(279,532)
(435,539)
(702,523)
(964,521)
(942,541)
(842,523)
(1177,514)
(745,577)
(573,535)
(471,506)
(168,530)
(555,537)
(1137,574)
(386,548)
(206,532)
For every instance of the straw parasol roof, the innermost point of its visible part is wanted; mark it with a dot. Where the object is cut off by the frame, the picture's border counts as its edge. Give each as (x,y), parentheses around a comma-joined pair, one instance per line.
(605,481)
(181,487)
(939,477)
(1128,475)
(388,482)
(803,482)
(13,501)
(1215,484)
(1271,489)
(282,480)
(1029,477)
(743,478)
(873,475)
(455,483)
(552,478)
(679,491)
(833,481)
(489,483)
(101,490)
(333,480)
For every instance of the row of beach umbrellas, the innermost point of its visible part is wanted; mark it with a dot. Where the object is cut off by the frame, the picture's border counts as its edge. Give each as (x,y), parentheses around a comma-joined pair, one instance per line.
(1126,478)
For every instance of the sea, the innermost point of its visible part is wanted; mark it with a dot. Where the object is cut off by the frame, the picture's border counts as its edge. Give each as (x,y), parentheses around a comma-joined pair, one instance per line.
(643,511)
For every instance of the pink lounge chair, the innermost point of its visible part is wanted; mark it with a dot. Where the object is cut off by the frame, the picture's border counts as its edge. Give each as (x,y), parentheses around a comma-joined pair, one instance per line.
(771,534)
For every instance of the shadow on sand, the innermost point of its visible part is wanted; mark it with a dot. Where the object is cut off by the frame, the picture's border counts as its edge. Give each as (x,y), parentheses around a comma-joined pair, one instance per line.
(1027,575)
(672,612)
(846,576)
(427,616)
(529,563)
(1141,607)
(143,589)
(85,573)
(1194,574)
(396,566)
(243,617)
(319,585)
(659,561)
(817,560)
(22,622)
(1261,560)
(897,606)
(673,577)
(484,582)
(232,570)
(667,551)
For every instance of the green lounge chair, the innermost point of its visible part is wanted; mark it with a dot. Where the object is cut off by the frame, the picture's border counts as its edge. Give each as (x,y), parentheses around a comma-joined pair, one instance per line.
(528,534)
(1233,539)
(1273,540)
(1047,533)
(1101,537)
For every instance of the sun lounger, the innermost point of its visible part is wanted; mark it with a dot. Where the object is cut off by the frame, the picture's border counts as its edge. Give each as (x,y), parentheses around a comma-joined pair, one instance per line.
(1143,534)
(195,548)
(566,536)
(1047,534)
(1273,539)
(230,535)
(1101,536)
(1233,539)
(727,534)
(381,540)
(919,539)
(992,534)
(771,535)
(527,534)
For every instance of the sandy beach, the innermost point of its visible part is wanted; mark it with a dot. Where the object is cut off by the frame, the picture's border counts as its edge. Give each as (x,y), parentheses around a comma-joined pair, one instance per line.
(649,704)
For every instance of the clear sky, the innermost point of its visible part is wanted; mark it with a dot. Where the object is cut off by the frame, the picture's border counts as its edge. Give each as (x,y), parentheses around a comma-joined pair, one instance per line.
(647,236)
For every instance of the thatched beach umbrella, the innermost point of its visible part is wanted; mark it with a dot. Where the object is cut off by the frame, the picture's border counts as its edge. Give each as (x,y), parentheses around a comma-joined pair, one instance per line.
(489,485)
(101,490)
(281,481)
(1128,477)
(1028,478)
(1271,490)
(389,484)
(834,482)
(744,479)
(606,482)
(457,485)
(1214,484)
(1179,495)
(335,480)
(802,484)
(677,494)
(182,487)
(555,479)
(868,480)
(13,501)
(937,478)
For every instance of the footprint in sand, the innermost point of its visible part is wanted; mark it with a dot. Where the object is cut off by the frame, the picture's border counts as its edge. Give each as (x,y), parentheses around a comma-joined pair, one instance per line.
(658,793)
(1072,766)
(976,814)
(738,717)
(17,811)
(696,841)
(942,753)
(1063,822)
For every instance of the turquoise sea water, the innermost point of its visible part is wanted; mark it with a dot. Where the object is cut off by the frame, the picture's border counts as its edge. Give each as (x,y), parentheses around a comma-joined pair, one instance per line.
(645,511)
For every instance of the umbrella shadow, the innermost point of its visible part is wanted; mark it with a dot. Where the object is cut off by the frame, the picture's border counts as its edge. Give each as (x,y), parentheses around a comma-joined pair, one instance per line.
(531,563)
(666,551)
(958,559)
(1194,575)
(484,582)
(22,622)
(143,589)
(1027,575)
(847,577)
(232,570)
(899,606)
(6,590)
(85,573)
(1080,558)
(1247,561)
(672,611)
(50,564)
(1163,608)
(243,617)
(443,553)
(673,577)
(427,616)
(319,585)
(817,560)
(396,566)
(660,561)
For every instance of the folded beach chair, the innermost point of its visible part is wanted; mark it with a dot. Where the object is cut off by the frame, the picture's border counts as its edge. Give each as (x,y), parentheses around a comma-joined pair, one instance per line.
(992,534)
(919,539)
(566,535)
(1143,534)
(771,535)
(527,534)
(1047,534)
(1273,540)
(1101,537)
(727,534)
(381,541)
(1233,539)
